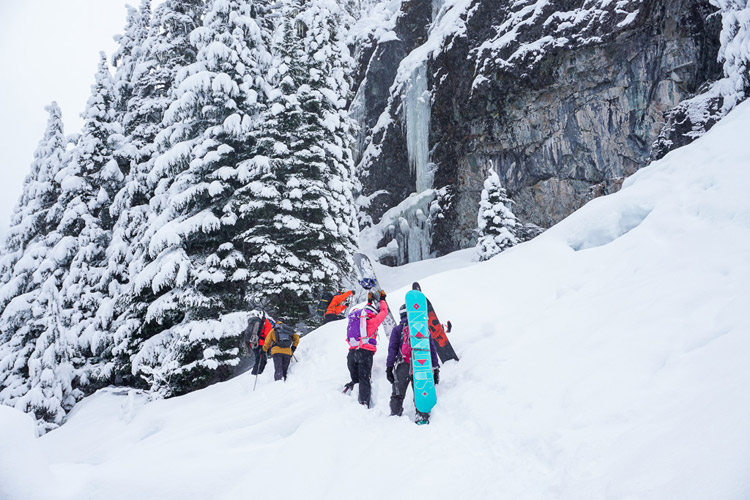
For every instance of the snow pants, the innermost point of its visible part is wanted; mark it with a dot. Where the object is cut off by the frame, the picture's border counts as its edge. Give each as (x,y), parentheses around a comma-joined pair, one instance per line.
(402,377)
(259,362)
(359,362)
(331,317)
(281,365)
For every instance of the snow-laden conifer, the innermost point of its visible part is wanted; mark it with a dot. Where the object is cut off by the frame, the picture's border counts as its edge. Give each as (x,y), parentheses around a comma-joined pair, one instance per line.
(94,177)
(303,235)
(35,355)
(194,272)
(164,52)
(498,226)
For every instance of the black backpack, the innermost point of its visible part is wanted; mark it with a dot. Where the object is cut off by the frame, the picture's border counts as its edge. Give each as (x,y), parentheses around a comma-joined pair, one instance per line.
(325,299)
(251,335)
(284,335)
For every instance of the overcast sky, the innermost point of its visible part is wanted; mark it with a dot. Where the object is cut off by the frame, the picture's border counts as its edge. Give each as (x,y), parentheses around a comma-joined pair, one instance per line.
(49,51)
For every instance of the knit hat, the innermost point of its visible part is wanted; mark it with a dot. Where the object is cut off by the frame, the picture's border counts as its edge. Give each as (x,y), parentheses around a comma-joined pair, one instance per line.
(402,310)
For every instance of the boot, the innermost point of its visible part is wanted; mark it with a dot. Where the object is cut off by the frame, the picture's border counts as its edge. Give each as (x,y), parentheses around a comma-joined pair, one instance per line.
(422,418)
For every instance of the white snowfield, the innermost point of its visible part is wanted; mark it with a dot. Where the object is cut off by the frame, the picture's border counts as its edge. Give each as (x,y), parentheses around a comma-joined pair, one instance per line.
(607,359)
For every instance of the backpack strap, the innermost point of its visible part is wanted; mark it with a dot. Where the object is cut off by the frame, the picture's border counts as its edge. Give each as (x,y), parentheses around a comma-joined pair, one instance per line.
(362,326)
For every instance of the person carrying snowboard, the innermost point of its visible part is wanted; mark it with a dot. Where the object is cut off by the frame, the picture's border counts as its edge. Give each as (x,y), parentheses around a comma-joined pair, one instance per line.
(337,306)
(282,340)
(398,369)
(361,335)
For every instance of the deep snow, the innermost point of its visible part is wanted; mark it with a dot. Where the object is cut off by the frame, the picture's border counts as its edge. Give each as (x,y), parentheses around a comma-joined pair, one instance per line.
(608,358)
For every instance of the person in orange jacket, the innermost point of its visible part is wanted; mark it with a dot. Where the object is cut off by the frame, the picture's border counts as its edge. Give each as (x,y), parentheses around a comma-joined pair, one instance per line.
(337,306)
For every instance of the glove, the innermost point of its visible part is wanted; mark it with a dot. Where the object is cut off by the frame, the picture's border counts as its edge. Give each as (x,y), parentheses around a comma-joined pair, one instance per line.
(294,348)
(436,375)
(268,354)
(448,330)
(382,294)
(389,375)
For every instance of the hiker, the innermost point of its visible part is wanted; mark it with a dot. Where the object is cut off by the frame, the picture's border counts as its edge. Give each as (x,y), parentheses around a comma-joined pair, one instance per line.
(254,337)
(361,335)
(282,340)
(337,306)
(398,369)
(256,345)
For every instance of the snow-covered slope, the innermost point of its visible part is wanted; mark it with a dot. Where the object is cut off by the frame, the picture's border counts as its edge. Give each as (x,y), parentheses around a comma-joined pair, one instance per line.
(607,358)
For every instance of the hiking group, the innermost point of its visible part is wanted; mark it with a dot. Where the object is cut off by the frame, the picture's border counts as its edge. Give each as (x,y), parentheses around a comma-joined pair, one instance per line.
(279,341)
(361,335)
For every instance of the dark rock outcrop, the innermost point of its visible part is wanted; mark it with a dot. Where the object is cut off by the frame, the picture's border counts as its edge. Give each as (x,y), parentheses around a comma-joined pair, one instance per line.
(562,106)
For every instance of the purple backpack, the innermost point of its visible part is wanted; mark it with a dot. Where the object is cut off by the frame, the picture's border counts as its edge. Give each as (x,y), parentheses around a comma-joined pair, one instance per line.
(356,328)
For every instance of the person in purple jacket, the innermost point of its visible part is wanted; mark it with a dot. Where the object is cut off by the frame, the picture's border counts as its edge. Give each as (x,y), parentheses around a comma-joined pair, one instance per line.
(398,366)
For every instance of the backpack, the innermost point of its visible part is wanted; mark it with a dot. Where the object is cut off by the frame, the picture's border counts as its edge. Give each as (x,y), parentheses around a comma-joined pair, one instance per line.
(356,328)
(405,344)
(325,299)
(251,335)
(284,335)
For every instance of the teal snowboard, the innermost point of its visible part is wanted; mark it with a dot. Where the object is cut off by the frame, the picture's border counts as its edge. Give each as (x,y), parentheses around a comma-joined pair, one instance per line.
(421,359)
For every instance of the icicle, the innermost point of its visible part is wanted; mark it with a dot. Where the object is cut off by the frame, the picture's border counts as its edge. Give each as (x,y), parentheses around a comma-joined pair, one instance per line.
(416,109)
(417,121)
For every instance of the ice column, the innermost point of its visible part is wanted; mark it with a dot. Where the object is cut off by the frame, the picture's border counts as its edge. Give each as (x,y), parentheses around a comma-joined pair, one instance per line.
(417,122)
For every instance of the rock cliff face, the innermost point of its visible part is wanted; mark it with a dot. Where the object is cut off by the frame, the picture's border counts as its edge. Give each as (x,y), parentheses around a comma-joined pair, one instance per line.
(563,99)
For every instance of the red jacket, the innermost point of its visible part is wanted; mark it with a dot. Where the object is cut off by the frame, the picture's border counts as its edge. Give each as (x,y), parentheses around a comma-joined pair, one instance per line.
(267,327)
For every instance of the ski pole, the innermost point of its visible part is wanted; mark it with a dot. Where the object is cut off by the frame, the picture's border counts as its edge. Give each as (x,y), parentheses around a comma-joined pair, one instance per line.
(257,372)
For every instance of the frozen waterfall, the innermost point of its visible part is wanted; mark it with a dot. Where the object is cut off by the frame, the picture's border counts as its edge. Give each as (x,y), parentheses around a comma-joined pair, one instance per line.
(416,108)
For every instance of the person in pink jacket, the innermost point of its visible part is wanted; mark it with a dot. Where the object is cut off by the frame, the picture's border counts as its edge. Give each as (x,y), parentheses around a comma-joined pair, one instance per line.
(362,337)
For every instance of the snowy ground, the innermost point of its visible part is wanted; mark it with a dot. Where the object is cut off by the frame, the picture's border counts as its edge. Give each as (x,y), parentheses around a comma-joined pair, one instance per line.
(607,359)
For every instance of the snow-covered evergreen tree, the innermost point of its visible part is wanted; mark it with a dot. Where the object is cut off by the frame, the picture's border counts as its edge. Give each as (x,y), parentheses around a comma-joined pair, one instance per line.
(303,232)
(35,355)
(165,51)
(498,226)
(94,177)
(128,61)
(194,273)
